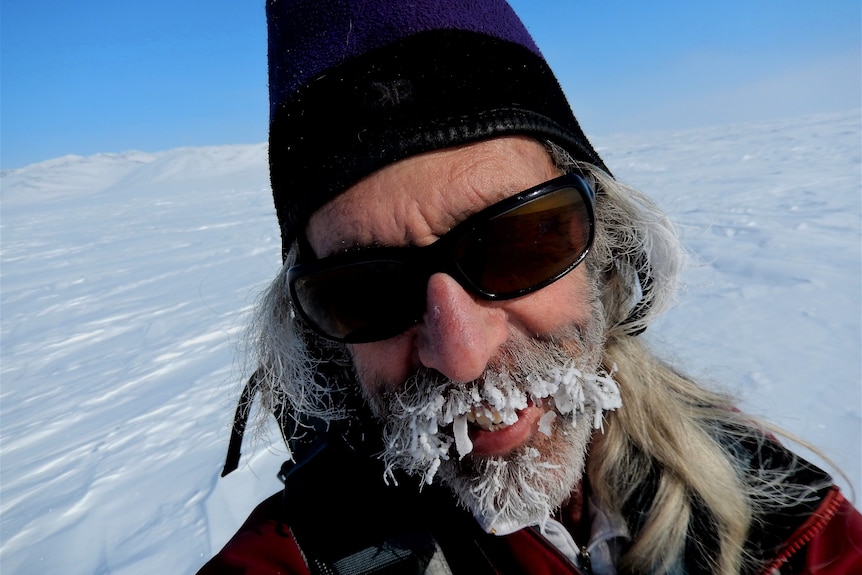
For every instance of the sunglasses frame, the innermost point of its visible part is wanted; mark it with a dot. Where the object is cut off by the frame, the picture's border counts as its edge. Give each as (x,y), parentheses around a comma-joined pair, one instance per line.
(438,257)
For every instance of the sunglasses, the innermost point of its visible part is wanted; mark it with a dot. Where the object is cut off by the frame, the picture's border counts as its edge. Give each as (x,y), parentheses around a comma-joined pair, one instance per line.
(507,250)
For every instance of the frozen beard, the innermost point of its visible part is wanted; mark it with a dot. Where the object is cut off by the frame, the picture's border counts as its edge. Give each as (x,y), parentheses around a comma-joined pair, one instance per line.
(426,427)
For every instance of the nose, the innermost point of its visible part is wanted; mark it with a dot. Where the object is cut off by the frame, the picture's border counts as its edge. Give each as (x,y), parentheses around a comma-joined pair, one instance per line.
(459,335)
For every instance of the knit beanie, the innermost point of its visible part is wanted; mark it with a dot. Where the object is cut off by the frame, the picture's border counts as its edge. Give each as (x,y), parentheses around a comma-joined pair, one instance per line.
(355,85)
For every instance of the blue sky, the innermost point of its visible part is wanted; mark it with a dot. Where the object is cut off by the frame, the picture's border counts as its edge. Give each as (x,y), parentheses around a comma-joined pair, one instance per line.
(89,76)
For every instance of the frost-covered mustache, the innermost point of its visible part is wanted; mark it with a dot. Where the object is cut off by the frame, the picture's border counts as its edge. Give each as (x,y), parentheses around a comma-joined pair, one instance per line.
(417,432)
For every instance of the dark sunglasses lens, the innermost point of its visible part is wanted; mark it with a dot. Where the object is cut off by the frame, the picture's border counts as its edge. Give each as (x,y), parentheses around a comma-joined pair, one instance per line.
(528,246)
(359,302)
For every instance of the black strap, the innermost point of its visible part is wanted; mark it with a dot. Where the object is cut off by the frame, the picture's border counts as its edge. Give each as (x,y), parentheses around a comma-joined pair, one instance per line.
(240,419)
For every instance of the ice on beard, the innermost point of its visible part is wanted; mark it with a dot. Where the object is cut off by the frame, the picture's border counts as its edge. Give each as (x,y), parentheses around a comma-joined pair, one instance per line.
(503,394)
(569,389)
(426,446)
(462,437)
(546,423)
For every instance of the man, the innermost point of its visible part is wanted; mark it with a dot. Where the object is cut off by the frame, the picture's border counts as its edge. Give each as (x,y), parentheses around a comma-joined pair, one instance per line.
(452,346)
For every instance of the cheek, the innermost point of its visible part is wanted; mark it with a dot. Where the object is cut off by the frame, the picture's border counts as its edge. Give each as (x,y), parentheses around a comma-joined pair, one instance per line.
(554,307)
(382,364)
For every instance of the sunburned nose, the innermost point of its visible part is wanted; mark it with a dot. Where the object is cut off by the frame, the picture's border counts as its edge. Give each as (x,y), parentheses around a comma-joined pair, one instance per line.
(459,334)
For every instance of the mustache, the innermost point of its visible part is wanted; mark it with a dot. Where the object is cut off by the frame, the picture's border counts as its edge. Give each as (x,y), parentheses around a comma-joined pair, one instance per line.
(515,360)
(424,418)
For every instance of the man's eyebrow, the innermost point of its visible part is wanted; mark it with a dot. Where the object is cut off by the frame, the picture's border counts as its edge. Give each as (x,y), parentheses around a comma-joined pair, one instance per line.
(502,194)
(453,220)
(356,247)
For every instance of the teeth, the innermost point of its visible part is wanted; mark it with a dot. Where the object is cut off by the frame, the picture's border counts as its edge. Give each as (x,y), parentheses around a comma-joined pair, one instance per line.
(485,418)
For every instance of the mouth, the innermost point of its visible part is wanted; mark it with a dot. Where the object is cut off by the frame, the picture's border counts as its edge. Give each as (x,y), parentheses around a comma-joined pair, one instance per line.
(484,431)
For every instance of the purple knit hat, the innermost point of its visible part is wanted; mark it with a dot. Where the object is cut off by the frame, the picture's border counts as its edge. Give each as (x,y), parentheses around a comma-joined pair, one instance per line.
(355,85)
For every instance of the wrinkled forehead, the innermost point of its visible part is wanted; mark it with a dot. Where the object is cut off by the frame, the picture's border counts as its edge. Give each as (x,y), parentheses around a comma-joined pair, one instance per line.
(417,200)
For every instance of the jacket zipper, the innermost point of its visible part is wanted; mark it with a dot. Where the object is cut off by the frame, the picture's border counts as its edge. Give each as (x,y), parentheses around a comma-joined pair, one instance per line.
(586,561)
(830,508)
(574,566)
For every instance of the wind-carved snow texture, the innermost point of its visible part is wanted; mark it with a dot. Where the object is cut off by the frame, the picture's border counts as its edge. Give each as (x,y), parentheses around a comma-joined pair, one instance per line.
(126,279)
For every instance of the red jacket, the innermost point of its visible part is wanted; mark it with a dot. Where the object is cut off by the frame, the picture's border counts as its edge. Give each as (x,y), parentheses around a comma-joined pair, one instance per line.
(826,540)
(829,543)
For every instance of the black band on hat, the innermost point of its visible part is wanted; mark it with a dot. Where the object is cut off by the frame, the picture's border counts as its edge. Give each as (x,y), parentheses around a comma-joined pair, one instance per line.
(433,90)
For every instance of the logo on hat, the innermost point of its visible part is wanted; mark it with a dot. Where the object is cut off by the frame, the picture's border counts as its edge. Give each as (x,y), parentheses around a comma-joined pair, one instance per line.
(389,94)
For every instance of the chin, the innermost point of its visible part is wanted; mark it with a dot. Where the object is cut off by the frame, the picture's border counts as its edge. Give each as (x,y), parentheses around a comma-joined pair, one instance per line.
(526,486)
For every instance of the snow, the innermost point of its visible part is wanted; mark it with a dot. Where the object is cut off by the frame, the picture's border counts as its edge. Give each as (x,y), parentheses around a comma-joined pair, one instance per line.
(126,280)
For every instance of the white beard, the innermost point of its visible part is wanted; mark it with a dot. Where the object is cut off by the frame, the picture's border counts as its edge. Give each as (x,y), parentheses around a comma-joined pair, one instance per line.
(426,419)
(525,487)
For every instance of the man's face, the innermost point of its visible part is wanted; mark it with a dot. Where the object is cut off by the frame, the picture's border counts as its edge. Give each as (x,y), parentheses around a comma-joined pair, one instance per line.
(465,342)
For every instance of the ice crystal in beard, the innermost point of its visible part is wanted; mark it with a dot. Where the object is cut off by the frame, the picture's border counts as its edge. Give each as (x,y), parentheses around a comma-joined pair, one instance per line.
(427,417)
